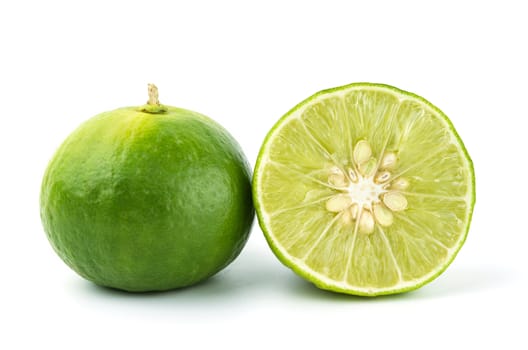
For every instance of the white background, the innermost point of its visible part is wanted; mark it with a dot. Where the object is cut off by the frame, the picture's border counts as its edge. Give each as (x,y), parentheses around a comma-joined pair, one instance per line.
(245,64)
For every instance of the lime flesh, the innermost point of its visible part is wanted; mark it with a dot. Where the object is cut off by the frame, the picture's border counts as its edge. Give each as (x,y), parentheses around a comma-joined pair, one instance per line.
(365,189)
(147,200)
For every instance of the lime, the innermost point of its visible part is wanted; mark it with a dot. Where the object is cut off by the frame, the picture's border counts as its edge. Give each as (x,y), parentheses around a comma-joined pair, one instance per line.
(147,198)
(365,189)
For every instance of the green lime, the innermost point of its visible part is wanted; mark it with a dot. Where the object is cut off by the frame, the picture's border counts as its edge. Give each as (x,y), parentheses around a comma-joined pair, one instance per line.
(147,198)
(365,189)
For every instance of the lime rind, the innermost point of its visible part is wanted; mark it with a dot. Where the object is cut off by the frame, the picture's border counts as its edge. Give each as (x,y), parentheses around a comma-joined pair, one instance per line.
(319,279)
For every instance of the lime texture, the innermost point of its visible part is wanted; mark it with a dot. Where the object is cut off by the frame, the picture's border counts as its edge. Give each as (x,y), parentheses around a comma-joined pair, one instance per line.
(365,189)
(147,199)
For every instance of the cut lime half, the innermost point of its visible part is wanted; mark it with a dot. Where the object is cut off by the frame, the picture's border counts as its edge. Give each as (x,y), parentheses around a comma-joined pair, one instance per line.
(365,189)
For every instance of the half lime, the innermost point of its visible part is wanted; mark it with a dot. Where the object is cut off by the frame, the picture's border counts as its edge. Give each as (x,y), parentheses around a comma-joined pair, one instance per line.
(365,189)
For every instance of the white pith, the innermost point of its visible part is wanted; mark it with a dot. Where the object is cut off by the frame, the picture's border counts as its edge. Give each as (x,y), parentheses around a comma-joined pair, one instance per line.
(364,192)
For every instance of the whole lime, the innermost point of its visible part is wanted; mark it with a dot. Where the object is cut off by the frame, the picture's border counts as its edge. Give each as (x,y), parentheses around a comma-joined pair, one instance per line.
(147,198)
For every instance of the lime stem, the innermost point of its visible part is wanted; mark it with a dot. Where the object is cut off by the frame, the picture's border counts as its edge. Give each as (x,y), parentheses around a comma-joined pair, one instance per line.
(153,95)
(153,105)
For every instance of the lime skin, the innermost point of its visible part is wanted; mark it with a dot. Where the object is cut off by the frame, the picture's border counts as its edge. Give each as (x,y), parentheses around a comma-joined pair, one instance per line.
(147,201)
